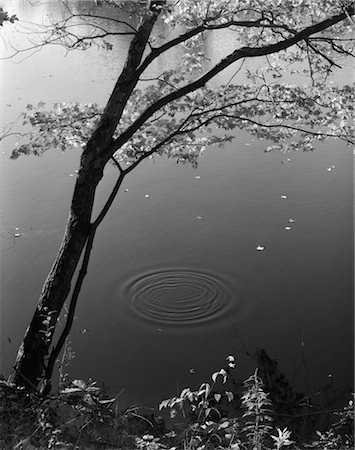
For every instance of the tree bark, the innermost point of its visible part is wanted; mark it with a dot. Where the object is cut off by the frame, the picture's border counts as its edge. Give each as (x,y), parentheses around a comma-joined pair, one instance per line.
(31,360)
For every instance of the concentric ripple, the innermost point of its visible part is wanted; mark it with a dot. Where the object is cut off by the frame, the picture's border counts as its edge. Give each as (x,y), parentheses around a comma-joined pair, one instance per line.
(178,297)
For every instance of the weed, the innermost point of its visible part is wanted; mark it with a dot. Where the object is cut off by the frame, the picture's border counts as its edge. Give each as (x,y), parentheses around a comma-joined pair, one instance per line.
(82,416)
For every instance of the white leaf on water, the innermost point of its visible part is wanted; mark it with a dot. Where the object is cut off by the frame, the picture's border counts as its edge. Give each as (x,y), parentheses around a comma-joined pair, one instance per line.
(217,397)
(229,395)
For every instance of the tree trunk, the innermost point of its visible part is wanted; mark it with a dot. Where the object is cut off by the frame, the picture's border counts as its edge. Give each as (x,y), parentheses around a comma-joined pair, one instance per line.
(30,365)
(31,358)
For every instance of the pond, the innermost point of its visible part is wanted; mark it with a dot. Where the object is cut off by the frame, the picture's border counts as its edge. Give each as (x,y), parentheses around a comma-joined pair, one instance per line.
(175,282)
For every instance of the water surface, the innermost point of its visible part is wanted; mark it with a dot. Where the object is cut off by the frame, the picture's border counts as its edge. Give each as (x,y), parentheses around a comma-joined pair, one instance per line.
(175,281)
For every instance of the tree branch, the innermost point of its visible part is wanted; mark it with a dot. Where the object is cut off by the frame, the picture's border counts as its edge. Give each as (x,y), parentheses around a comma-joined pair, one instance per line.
(77,288)
(241,53)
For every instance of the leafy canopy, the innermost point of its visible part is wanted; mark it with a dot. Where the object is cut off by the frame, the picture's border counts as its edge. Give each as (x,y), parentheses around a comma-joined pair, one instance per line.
(290,99)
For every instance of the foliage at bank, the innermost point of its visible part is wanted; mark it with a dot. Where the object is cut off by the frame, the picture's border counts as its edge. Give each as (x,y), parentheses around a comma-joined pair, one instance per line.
(219,414)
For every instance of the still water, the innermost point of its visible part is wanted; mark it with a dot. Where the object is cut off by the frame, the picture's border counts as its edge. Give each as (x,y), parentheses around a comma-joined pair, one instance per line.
(175,282)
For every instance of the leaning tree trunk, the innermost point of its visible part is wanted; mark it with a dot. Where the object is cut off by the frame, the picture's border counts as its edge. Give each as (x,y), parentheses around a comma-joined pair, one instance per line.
(31,361)
(31,358)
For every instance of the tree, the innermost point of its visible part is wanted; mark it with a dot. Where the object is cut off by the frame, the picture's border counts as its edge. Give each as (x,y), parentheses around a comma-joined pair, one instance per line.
(179,114)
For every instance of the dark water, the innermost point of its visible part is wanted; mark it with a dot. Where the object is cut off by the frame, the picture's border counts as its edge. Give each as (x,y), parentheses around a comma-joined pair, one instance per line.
(175,281)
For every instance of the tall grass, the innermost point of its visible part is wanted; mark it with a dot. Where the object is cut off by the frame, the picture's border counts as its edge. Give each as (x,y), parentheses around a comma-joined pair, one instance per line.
(220,414)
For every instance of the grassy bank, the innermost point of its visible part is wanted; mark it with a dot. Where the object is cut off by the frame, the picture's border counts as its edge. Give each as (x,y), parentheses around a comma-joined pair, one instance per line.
(263,412)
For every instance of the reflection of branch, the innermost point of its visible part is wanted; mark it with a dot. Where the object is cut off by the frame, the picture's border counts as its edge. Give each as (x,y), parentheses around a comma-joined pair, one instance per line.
(59,34)
(15,133)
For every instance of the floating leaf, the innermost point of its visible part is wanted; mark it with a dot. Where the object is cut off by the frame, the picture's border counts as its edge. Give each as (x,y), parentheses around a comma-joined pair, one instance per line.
(230,395)
(217,397)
